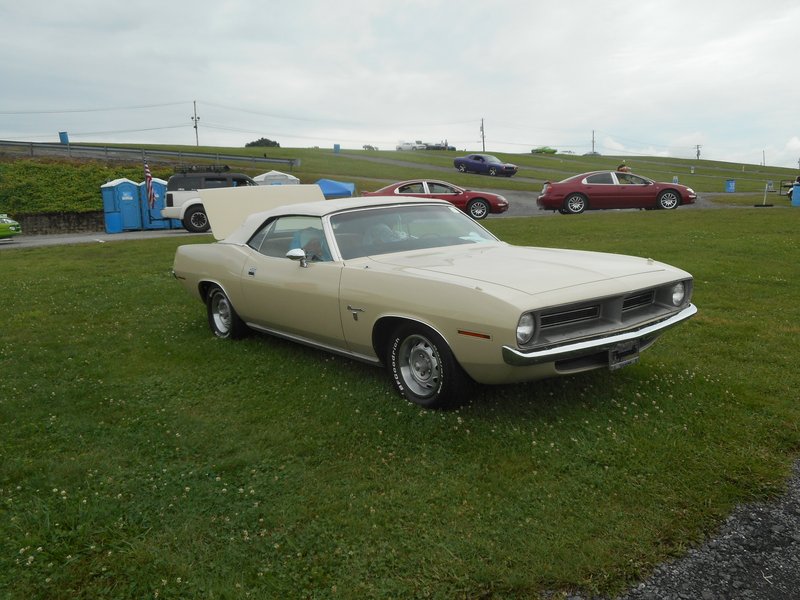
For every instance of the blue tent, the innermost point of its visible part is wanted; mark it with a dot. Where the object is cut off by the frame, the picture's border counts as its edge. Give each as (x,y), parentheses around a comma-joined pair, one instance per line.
(336,189)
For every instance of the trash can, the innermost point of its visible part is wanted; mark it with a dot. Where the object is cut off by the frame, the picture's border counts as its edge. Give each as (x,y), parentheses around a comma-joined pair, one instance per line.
(674,179)
(796,194)
(63,137)
(336,148)
(730,185)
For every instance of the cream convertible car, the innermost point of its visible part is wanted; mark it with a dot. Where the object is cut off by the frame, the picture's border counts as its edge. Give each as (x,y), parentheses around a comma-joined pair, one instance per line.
(420,287)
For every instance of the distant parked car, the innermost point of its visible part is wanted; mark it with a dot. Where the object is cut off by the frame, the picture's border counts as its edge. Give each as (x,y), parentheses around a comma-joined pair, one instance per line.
(8,227)
(612,189)
(476,204)
(544,150)
(484,163)
(410,146)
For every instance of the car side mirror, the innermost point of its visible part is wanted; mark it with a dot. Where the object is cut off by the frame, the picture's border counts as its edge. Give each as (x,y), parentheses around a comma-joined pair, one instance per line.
(298,254)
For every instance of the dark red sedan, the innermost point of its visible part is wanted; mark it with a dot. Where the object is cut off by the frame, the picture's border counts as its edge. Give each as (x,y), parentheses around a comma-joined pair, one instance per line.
(612,189)
(476,204)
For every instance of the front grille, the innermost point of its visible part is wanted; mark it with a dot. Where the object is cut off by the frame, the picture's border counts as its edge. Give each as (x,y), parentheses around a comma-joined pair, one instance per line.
(566,317)
(641,299)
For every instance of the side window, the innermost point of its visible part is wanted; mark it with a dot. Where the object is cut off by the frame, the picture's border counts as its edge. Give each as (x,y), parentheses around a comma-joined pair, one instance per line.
(438,188)
(600,178)
(411,188)
(216,182)
(275,238)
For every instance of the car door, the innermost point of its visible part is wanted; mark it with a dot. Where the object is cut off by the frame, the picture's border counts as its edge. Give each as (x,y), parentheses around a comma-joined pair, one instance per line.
(632,191)
(442,191)
(477,163)
(601,189)
(282,295)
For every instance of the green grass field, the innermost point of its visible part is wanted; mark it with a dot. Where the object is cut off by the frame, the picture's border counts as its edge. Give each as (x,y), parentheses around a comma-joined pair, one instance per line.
(142,458)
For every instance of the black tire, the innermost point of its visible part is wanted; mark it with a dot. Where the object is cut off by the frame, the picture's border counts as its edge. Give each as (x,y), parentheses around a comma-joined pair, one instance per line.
(424,369)
(669,200)
(492,171)
(462,168)
(575,204)
(196,220)
(478,209)
(222,318)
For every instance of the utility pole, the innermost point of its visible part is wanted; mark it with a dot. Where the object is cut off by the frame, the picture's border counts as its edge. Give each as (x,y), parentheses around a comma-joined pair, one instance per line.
(483,137)
(195,119)
(592,142)
(697,148)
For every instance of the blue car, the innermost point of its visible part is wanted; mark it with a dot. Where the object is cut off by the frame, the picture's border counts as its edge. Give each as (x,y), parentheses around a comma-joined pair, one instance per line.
(485,164)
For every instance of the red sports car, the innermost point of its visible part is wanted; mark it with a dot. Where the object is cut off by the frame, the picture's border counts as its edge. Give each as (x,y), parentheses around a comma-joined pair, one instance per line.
(476,204)
(612,189)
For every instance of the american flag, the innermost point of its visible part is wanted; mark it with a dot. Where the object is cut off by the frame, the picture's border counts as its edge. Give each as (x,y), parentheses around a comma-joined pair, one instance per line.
(148,180)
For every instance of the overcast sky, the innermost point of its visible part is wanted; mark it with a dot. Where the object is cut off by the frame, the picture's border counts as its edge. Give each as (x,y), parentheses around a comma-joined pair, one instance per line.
(646,77)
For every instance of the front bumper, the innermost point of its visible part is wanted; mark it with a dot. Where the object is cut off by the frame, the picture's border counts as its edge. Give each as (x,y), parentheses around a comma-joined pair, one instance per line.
(645,335)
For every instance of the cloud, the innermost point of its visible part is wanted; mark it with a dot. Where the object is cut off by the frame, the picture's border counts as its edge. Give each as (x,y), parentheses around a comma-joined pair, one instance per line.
(652,76)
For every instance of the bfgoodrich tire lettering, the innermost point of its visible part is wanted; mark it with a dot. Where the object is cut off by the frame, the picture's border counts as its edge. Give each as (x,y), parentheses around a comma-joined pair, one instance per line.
(423,368)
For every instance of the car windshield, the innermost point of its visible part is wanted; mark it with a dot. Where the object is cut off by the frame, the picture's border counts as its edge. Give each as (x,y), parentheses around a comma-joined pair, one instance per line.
(370,232)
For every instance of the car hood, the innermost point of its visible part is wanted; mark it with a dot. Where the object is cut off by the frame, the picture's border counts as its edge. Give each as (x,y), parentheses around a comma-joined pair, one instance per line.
(525,269)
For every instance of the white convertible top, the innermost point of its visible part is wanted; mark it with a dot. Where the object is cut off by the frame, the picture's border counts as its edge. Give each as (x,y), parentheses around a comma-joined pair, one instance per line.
(234,213)
(320,208)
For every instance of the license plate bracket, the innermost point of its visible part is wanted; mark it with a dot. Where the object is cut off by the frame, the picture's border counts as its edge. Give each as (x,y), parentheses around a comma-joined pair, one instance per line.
(623,355)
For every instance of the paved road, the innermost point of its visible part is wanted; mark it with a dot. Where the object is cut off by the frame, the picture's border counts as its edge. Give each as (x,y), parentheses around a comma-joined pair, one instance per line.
(521,204)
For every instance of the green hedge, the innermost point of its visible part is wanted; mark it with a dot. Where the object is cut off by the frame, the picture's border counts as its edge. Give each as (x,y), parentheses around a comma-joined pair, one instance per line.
(36,187)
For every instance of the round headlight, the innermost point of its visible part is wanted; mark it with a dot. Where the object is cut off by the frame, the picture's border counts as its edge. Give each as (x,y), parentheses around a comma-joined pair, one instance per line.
(678,293)
(525,329)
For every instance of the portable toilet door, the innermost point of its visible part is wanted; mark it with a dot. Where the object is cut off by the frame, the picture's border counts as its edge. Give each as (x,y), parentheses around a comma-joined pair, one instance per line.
(121,205)
(151,215)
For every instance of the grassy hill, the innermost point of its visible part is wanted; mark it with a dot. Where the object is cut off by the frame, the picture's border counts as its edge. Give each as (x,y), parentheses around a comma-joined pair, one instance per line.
(44,185)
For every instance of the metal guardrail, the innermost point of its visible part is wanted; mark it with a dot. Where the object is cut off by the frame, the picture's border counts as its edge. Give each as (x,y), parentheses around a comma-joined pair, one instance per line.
(33,149)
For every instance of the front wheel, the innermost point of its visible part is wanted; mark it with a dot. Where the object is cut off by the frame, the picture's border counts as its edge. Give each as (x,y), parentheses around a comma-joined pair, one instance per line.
(222,318)
(492,171)
(424,369)
(195,219)
(575,204)
(478,209)
(668,200)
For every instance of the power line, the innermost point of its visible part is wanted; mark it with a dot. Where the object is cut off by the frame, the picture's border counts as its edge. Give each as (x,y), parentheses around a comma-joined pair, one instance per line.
(85,110)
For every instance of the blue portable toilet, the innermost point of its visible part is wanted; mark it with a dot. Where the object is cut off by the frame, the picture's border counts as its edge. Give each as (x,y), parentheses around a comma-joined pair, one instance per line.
(796,194)
(151,217)
(121,205)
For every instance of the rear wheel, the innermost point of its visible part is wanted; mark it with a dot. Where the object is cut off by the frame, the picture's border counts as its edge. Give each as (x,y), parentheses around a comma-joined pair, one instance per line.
(478,209)
(196,220)
(423,368)
(462,167)
(668,200)
(575,204)
(222,318)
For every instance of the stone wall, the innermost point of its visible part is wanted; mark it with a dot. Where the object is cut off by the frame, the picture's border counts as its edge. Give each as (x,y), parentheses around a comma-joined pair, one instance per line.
(61,223)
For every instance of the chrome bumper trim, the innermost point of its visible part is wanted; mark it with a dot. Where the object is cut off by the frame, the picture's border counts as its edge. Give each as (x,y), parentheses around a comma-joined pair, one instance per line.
(518,358)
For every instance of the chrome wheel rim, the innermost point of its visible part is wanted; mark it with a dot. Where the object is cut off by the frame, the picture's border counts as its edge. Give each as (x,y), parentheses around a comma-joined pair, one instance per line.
(478,210)
(575,204)
(221,312)
(669,201)
(420,365)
